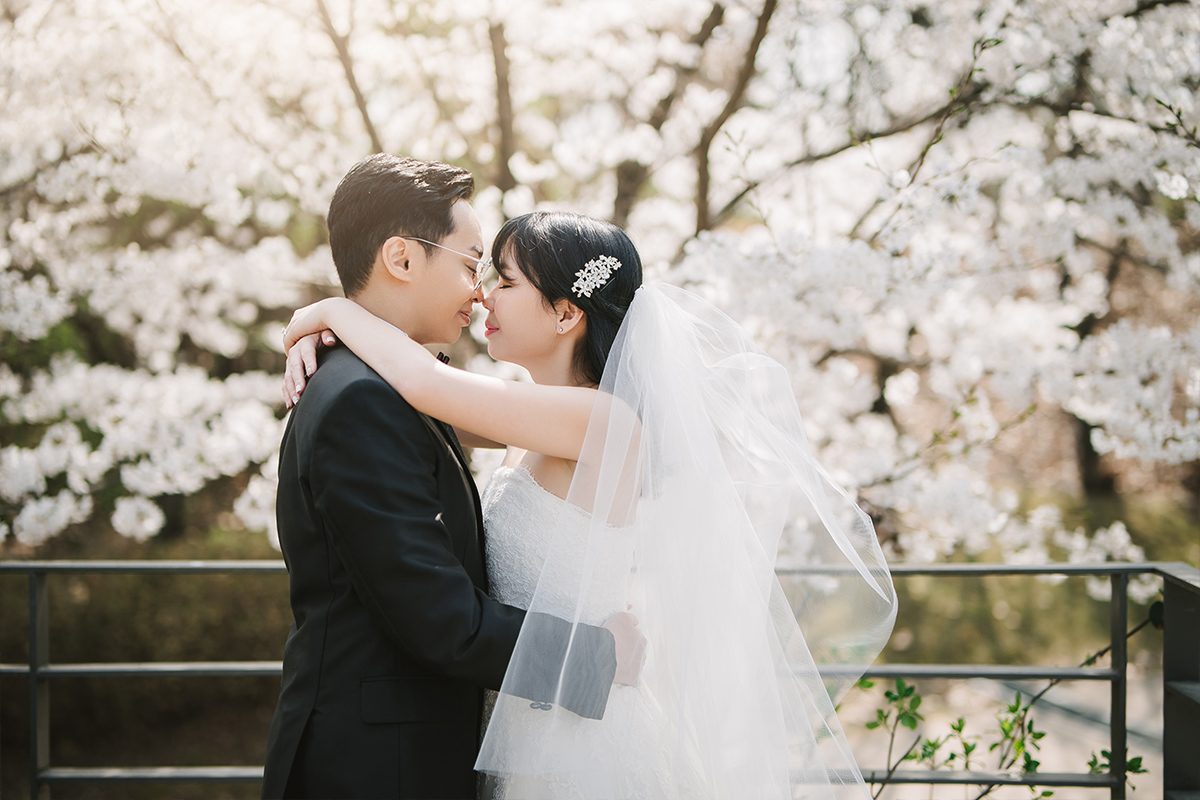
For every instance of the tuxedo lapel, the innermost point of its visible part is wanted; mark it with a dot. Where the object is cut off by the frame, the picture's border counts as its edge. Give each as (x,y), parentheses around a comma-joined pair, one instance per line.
(445,434)
(470,479)
(451,438)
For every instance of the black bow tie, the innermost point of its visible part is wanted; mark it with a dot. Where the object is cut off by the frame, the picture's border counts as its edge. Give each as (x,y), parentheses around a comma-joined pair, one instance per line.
(442,357)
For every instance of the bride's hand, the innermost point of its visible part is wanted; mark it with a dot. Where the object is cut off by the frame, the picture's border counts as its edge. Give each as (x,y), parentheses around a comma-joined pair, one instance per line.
(631,647)
(302,363)
(307,329)
(311,319)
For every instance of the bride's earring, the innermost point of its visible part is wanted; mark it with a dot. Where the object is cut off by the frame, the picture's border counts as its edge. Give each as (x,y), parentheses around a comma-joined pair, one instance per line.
(560,328)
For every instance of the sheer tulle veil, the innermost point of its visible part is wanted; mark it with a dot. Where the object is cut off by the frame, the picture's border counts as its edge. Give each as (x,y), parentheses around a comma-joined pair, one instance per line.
(697,466)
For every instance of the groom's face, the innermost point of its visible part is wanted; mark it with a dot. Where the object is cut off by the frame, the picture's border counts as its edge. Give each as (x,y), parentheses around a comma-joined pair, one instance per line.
(446,280)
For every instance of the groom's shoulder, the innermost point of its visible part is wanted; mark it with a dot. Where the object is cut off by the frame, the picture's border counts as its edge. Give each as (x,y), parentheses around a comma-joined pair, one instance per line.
(338,366)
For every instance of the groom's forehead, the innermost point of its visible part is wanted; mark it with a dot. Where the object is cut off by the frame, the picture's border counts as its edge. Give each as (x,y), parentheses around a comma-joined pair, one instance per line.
(466,227)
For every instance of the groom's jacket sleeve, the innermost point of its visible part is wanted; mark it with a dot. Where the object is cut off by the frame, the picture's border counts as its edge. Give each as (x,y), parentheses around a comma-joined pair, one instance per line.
(374,485)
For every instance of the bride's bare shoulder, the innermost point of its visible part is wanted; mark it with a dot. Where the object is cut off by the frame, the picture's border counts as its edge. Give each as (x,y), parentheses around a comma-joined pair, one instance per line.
(552,473)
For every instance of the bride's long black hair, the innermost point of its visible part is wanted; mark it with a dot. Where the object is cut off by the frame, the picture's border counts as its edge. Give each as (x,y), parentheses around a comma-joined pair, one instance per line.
(549,247)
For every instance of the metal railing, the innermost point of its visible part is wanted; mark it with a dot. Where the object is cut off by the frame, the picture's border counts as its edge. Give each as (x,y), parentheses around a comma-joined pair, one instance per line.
(1181,677)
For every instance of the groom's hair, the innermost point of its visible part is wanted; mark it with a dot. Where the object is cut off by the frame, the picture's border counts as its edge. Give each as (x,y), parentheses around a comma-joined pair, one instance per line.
(384,196)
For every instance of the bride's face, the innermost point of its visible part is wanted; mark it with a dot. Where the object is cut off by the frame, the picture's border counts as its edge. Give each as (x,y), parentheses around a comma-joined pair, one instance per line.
(521,326)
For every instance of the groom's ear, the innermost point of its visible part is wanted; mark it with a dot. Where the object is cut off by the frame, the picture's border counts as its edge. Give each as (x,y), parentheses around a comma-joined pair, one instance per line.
(395,256)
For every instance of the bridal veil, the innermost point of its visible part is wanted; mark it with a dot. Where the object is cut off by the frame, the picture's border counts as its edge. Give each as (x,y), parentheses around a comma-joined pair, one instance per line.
(697,466)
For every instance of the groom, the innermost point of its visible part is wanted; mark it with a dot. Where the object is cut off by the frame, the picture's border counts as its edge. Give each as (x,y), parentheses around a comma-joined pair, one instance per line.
(394,634)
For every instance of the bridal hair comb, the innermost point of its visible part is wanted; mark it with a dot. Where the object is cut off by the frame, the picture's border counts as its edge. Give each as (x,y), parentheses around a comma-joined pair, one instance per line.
(594,275)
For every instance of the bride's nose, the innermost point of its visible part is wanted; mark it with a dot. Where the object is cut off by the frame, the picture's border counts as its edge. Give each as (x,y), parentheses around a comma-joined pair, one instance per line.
(486,301)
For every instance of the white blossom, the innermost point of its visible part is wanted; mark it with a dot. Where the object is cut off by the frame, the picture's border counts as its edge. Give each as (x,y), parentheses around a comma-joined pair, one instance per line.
(49,515)
(256,505)
(165,167)
(137,517)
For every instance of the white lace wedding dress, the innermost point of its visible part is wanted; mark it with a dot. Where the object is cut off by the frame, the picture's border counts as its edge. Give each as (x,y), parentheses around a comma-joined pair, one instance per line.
(696,448)
(623,756)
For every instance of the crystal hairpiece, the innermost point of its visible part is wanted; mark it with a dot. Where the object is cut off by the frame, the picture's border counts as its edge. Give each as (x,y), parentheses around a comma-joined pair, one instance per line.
(594,274)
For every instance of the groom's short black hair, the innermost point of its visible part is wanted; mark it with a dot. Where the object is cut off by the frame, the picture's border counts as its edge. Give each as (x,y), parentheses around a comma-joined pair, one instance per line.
(383,196)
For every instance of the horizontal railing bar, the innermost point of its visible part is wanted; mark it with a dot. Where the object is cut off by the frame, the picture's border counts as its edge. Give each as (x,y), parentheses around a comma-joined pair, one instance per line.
(162,669)
(275,668)
(1186,689)
(1177,570)
(148,669)
(991,671)
(1183,574)
(963,777)
(238,565)
(198,774)
(946,777)
(1180,571)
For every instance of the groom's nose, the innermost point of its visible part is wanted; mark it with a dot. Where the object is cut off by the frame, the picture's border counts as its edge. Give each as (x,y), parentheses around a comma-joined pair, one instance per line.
(477,295)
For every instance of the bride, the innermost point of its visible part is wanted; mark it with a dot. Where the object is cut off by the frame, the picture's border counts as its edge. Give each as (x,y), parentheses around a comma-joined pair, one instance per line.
(658,463)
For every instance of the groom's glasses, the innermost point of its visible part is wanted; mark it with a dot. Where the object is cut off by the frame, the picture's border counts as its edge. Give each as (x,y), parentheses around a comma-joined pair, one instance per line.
(482,265)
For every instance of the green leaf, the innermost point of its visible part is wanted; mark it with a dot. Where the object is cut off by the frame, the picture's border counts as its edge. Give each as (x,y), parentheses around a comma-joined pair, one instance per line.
(916,702)
(865,683)
(872,726)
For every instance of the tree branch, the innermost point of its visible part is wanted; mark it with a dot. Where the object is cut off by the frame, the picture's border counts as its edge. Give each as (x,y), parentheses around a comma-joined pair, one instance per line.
(632,175)
(504,110)
(812,158)
(736,95)
(30,179)
(341,44)
(1061,109)
(1147,5)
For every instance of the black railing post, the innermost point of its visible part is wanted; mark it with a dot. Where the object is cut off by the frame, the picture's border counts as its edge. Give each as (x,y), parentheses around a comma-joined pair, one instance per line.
(1120,617)
(1181,685)
(39,688)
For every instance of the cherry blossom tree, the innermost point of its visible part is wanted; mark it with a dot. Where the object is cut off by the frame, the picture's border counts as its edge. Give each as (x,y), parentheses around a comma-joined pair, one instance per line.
(968,229)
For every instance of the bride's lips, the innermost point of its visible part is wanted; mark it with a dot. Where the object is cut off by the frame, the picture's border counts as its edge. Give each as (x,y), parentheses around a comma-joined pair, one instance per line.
(489,328)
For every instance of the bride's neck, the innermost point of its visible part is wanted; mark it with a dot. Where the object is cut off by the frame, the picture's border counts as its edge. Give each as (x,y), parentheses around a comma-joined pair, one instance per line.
(554,372)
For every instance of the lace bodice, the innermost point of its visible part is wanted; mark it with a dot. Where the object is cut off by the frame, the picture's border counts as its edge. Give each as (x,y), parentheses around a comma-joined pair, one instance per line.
(523,521)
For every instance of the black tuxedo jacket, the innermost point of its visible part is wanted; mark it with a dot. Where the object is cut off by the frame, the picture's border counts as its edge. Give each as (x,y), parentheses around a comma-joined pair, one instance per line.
(394,634)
